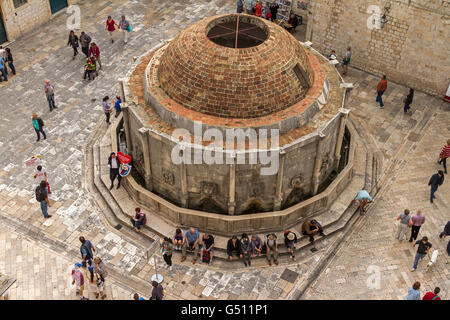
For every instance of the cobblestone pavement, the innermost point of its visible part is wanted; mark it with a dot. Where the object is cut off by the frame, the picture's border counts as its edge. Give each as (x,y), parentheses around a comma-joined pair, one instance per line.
(42,273)
(373,245)
(43,54)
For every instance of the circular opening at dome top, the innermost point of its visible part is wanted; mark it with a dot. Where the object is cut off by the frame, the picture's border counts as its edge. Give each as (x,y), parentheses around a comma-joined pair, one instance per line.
(237,31)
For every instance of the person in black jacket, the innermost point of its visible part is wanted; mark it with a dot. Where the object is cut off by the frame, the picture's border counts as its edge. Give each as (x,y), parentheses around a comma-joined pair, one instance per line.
(408,100)
(274,10)
(234,245)
(446,231)
(436,180)
(85,41)
(10,60)
(38,126)
(114,167)
(73,42)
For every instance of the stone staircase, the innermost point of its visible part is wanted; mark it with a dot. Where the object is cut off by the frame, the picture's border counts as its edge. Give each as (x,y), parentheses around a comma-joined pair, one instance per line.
(339,217)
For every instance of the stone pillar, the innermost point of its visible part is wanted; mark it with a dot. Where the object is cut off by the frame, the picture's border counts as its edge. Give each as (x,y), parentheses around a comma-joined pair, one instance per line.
(122,90)
(183,177)
(126,126)
(278,196)
(318,164)
(232,190)
(340,137)
(144,135)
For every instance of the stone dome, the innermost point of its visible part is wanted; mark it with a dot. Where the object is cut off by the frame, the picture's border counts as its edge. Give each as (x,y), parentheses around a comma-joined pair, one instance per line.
(235,66)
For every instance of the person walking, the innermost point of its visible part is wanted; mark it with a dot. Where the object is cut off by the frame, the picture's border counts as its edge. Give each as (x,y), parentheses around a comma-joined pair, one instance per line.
(381,88)
(41,174)
(446,231)
(416,222)
(85,40)
(87,250)
(272,248)
(9,59)
(100,273)
(445,153)
(403,226)
(50,94)
(107,109)
(157,292)
(110,27)
(94,51)
(191,240)
(38,126)
(73,42)
(246,249)
(114,165)
(42,197)
(346,61)
(422,250)
(414,292)
(436,180)
(124,25)
(408,100)
(138,219)
(3,72)
(432,295)
(78,280)
(166,249)
(273,10)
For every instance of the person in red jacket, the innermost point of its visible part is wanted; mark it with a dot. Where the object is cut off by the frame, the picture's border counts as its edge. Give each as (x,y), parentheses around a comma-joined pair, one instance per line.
(110,23)
(445,153)
(94,51)
(381,88)
(432,295)
(258,9)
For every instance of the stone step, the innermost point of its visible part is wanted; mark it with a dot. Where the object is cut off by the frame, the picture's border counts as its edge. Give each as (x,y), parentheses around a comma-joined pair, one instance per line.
(333,220)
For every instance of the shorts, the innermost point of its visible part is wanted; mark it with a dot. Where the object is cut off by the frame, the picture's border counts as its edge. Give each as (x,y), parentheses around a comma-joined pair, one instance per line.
(210,250)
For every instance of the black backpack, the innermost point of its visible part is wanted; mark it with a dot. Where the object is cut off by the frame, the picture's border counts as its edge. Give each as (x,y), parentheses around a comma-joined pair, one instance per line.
(40,123)
(39,194)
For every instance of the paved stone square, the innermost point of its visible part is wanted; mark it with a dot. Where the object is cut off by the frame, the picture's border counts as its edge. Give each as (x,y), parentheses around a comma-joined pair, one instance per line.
(409,144)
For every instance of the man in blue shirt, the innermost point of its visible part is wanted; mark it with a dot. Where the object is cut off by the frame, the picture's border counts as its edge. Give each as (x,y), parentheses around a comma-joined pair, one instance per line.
(2,69)
(190,239)
(364,199)
(87,249)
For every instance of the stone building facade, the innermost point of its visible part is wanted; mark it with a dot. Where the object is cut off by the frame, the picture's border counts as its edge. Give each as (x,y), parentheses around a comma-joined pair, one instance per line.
(411,46)
(17,17)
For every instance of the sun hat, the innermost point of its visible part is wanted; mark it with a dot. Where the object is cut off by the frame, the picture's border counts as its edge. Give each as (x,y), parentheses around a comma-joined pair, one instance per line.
(290,236)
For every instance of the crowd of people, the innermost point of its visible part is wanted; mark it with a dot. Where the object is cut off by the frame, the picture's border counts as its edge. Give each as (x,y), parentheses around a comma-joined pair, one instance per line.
(244,247)
(269,11)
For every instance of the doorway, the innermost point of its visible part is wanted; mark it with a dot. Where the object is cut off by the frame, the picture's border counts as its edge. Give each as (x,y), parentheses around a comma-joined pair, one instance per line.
(3,37)
(56,5)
